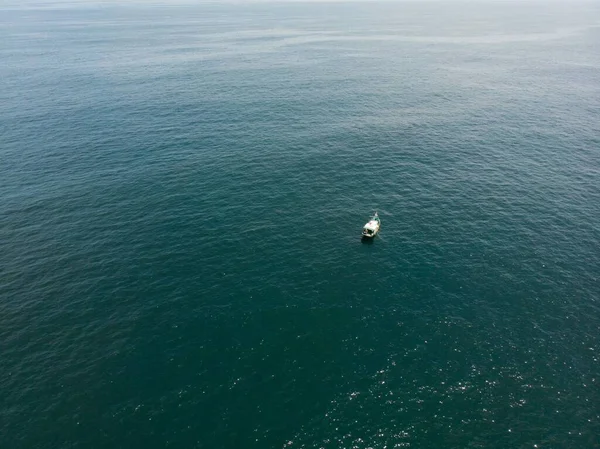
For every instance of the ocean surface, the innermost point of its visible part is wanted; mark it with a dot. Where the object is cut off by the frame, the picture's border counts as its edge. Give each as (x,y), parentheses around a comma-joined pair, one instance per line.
(182,191)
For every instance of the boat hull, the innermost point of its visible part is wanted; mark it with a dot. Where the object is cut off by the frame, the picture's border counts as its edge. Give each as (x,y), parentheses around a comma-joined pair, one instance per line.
(370,235)
(371,229)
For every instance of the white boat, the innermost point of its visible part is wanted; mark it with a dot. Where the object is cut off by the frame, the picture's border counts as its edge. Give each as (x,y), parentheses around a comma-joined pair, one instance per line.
(371,229)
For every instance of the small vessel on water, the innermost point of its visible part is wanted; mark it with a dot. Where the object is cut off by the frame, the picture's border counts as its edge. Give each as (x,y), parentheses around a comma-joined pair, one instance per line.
(371,229)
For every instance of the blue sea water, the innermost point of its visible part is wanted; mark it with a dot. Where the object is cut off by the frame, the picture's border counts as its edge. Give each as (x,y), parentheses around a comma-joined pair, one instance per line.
(182,190)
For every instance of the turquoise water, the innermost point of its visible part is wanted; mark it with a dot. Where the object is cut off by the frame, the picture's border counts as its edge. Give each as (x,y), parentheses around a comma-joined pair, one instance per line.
(182,191)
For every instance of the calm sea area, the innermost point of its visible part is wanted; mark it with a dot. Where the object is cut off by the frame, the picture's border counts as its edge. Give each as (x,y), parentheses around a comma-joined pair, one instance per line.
(182,191)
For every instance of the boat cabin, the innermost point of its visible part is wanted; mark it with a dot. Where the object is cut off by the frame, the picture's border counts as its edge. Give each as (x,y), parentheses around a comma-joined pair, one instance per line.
(370,229)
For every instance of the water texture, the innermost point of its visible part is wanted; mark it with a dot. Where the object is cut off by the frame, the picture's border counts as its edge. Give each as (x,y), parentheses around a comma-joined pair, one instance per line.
(182,190)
